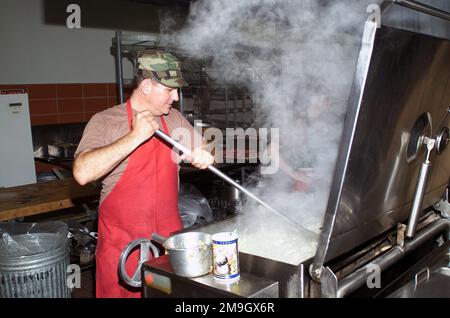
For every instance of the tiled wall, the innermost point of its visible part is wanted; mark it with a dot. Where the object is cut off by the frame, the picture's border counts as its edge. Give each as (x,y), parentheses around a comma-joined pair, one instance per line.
(67,103)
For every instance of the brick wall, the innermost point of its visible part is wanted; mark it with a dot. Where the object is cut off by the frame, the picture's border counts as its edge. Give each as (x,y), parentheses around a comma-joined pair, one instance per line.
(67,103)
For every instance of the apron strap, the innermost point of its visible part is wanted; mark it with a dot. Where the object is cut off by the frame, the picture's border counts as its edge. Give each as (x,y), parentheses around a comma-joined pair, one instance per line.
(129,113)
(166,130)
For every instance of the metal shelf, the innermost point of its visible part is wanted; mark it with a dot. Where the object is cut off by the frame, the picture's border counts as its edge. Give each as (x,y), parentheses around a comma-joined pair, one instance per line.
(202,90)
(226,111)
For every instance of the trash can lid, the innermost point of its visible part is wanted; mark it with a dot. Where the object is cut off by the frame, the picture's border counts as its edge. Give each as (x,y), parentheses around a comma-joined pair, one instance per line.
(23,239)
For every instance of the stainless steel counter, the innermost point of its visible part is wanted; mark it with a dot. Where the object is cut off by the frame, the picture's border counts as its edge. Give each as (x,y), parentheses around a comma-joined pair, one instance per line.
(435,285)
(161,281)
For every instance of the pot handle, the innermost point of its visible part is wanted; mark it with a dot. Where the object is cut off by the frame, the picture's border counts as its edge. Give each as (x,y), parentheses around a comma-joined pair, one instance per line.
(146,245)
(158,238)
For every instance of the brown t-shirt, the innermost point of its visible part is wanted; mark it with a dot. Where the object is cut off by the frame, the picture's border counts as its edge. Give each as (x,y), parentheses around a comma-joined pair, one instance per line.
(108,126)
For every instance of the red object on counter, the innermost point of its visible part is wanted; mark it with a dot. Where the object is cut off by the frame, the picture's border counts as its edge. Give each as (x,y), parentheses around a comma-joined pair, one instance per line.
(148,279)
(300,186)
(144,200)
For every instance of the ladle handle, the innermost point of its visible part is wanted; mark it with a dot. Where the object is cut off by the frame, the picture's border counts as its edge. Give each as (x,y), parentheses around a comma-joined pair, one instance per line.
(220,174)
(217,172)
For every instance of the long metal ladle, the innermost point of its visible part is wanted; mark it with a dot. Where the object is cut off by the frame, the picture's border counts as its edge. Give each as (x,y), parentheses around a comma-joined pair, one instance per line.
(220,174)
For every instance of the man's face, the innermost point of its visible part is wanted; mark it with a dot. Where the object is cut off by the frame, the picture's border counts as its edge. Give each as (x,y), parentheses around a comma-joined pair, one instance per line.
(160,98)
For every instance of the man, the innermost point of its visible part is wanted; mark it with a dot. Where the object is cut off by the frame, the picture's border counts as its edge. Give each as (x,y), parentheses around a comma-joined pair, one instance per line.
(297,159)
(140,179)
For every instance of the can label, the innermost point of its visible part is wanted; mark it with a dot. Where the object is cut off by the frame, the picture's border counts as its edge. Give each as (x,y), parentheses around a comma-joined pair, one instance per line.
(225,256)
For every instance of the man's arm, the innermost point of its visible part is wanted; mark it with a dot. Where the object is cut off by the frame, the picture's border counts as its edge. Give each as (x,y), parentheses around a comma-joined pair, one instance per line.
(93,164)
(299,174)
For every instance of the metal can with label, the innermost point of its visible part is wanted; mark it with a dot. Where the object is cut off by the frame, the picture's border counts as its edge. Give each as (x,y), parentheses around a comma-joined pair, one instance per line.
(225,257)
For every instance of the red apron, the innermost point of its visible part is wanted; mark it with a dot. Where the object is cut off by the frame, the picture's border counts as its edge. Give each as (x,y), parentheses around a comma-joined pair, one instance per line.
(144,200)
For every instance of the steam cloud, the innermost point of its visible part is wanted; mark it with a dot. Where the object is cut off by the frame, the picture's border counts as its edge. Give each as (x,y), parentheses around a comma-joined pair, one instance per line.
(298,57)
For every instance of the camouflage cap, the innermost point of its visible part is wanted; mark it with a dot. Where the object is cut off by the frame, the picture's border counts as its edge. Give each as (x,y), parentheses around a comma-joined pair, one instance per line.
(163,67)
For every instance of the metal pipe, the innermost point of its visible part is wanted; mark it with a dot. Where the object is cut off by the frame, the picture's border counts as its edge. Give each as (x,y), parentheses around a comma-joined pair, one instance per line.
(414,5)
(226,107)
(181,102)
(119,68)
(416,207)
(235,109)
(220,174)
(354,281)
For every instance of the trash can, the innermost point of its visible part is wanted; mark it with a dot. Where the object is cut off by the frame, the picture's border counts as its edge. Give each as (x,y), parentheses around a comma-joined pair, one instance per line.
(34,259)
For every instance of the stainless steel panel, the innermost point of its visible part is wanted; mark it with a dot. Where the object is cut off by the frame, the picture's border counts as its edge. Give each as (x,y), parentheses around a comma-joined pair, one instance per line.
(249,286)
(405,18)
(424,8)
(437,285)
(357,279)
(373,185)
(287,280)
(429,277)
(292,282)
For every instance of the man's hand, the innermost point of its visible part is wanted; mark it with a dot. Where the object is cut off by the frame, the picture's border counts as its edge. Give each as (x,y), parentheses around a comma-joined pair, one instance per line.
(303,175)
(144,126)
(200,158)
(302,179)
